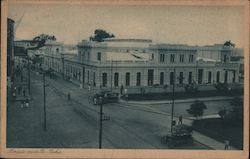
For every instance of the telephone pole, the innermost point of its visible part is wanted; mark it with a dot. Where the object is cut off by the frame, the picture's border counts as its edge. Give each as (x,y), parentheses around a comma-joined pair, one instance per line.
(28,74)
(173,96)
(100,128)
(111,76)
(44,103)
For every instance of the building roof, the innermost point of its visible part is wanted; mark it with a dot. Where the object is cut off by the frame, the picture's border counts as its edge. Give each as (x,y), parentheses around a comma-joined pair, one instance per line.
(127,40)
(127,56)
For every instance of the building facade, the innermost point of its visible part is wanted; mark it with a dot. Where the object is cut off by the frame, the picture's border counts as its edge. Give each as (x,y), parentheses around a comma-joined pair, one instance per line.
(142,63)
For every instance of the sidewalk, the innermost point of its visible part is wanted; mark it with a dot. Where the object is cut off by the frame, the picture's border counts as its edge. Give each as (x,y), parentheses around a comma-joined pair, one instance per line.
(150,102)
(203,139)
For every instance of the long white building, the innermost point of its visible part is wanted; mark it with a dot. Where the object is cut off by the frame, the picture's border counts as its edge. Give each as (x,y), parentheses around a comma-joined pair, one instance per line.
(142,63)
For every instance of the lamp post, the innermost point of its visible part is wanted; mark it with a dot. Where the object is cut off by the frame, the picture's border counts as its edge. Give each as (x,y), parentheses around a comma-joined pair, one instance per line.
(173,96)
(111,76)
(44,104)
(28,75)
(100,100)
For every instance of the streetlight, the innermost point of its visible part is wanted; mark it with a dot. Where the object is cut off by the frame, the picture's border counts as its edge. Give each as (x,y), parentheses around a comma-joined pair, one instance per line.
(173,96)
(100,101)
(28,74)
(44,104)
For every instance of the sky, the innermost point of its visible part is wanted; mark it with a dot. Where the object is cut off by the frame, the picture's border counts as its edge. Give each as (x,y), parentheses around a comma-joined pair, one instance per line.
(192,25)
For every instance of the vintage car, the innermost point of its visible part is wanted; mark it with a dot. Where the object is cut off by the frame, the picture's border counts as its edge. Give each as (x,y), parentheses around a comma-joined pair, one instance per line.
(181,135)
(107,97)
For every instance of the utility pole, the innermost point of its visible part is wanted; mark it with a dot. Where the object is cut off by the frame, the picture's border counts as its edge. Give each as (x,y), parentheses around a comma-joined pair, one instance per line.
(100,128)
(173,96)
(29,75)
(111,76)
(44,102)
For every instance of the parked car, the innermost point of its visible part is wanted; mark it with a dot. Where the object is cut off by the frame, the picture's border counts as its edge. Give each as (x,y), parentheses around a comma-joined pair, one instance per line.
(181,135)
(107,97)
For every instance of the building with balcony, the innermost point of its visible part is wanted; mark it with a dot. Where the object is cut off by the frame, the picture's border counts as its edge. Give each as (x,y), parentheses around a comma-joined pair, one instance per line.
(141,63)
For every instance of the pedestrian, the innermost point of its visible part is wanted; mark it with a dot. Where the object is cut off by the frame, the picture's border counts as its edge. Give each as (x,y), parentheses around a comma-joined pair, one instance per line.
(180,120)
(68,96)
(21,78)
(226,144)
(89,87)
(27,102)
(126,94)
(22,104)
(121,90)
(24,92)
(14,95)
(125,91)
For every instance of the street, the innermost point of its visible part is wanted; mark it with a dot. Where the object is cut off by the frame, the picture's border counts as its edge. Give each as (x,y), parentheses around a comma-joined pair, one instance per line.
(74,123)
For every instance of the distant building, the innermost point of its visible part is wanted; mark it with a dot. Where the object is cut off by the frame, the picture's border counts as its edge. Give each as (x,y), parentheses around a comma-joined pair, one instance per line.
(142,63)
(10,46)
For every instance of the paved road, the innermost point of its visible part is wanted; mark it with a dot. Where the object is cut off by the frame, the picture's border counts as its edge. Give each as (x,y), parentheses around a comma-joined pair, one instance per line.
(75,123)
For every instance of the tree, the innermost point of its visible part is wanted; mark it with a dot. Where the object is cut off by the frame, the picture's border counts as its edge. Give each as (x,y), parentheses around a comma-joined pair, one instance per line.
(42,38)
(229,44)
(45,37)
(191,88)
(101,34)
(235,116)
(196,109)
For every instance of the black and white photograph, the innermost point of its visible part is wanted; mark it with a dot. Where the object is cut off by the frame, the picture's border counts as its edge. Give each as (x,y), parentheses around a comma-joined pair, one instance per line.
(121,76)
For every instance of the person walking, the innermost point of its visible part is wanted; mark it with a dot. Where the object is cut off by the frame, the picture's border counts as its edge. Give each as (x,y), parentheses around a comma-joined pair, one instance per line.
(27,102)
(22,104)
(126,95)
(180,120)
(226,144)
(121,90)
(14,95)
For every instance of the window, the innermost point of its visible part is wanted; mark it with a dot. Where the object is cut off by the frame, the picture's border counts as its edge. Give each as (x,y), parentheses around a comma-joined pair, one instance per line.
(225,58)
(99,56)
(162,57)
(171,78)
(181,78)
(104,79)
(127,79)
(162,78)
(138,78)
(116,79)
(150,77)
(218,77)
(172,56)
(191,58)
(190,77)
(181,58)
(209,77)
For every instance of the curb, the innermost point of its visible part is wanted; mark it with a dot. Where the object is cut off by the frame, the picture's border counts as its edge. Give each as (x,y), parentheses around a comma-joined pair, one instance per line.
(176,101)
